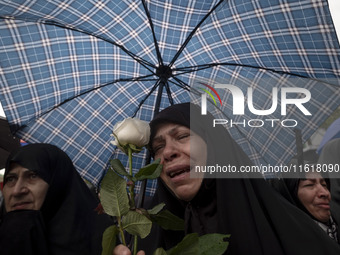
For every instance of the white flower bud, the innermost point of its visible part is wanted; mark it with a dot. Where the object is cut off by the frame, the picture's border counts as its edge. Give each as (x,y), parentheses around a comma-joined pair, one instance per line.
(131,131)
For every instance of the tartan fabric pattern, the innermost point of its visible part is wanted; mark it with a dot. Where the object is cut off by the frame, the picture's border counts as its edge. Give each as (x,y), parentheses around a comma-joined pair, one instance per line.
(69,70)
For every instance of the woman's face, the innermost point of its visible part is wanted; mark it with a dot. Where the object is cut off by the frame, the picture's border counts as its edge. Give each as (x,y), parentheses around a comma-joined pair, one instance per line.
(315,196)
(180,150)
(23,189)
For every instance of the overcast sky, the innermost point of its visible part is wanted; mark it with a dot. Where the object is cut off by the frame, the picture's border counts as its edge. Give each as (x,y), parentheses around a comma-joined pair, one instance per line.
(335,11)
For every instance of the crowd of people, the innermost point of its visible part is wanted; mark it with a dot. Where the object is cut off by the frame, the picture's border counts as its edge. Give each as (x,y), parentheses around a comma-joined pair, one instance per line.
(48,209)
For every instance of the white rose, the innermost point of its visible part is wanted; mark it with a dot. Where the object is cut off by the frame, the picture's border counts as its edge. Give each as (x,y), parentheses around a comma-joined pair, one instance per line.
(131,132)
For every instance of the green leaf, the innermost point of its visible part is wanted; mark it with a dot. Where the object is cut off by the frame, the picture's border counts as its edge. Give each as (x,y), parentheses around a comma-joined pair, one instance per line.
(159,251)
(137,224)
(109,240)
(151,171)
(188,246)
(167,220)
(209,244)
(113,194)
(156,209)
(213,244)
(119,168)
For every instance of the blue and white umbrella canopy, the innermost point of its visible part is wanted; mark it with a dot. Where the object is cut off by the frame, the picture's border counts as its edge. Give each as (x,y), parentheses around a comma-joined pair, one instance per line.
(332,132)
(69,70)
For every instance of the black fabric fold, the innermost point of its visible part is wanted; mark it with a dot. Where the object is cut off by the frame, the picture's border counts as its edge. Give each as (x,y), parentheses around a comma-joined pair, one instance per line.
(25,233)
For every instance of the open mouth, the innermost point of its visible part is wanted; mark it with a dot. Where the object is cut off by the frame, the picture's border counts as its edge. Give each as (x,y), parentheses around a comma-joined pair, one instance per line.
(178,172)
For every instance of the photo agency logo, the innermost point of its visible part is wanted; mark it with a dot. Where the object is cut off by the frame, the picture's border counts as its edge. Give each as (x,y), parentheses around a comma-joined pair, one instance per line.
(239,105)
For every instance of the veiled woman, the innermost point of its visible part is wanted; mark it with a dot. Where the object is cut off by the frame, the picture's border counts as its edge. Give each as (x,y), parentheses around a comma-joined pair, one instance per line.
(49,208)
(259,220)
(311,194)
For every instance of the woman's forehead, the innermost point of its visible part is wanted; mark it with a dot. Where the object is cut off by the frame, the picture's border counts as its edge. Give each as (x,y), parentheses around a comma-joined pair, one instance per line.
(168,129)
(313,175)
(17,168)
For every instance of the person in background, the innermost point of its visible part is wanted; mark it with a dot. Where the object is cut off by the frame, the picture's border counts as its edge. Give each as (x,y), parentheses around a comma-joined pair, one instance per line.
(311,194)
(48,207)
(259,220)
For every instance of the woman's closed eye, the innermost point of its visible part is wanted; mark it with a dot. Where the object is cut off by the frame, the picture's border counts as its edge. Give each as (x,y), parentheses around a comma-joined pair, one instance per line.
(183,136)
(324,184)
(157,148)
(308,183)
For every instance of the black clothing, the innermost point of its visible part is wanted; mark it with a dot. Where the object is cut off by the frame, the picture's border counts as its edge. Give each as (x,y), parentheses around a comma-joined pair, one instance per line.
(259,220)
(67,223)
(23,232)
(288,188)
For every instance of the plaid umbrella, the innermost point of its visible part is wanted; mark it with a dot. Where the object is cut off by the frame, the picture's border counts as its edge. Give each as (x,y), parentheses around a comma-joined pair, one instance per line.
(70,69)
(332,132)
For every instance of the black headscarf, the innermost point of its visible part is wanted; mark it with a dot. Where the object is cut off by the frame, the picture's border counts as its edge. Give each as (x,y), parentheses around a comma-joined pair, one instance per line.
(259,220)
(289,187)
(67,223)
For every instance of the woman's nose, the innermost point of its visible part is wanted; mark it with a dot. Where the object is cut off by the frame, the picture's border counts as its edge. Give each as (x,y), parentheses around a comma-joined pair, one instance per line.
(170,151)
(20,187)
(323,191)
